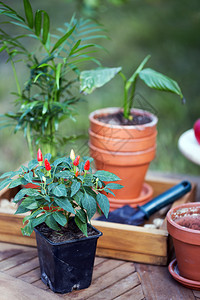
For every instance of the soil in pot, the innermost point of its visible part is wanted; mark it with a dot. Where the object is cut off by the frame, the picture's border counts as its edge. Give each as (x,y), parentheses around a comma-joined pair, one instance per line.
(188,221)
(118,119)
(69,233)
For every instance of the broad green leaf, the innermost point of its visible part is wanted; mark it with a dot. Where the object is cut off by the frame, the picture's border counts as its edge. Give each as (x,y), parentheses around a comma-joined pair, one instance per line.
(29,203)
(20,195)
(64,174)
(8,174)
(60,191)
(50,221)
(82,226)
(62,39)
(40,219)
(47,156)
(109,191)
(28,176)
(78,197)
(92,79)
(46,25)
(28,229)
(60,218)
(89,204)
(38,22)
(32,215)
(114,186)
(45,107)
(106,176)
(21,210)
(17,182)
(75,187)
(103,203)
(160,82)
(28,13)
(65,204)
(81,215)
(32,164)
(4,183)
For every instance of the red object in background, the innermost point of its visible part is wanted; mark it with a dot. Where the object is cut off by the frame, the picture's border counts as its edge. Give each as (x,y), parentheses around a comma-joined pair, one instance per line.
(197,130)
(47,164)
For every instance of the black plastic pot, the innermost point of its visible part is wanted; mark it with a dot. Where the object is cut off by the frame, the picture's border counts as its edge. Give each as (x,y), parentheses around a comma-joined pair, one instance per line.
(68,265)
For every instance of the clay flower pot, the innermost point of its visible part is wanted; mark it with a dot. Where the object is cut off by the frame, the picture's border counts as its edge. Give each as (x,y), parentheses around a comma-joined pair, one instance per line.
(183,224)
(125,150)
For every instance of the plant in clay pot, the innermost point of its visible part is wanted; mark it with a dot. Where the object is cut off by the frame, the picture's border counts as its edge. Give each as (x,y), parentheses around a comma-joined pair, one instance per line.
(124,140)
(183,224)
(54,61)
(59,208)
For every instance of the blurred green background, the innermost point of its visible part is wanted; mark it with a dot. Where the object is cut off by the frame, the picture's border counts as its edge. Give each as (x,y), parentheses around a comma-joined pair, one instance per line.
(168,30)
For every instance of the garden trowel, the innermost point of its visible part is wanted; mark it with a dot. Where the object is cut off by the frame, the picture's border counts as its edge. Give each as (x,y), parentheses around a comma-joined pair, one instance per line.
(132,216)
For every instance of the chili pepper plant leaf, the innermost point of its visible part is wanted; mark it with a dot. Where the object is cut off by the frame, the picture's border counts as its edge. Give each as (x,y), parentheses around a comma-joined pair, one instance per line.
(103,203)
(106,176)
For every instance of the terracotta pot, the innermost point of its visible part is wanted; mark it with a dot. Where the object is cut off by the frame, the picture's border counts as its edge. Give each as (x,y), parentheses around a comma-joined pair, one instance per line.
(123,150)
(186,240)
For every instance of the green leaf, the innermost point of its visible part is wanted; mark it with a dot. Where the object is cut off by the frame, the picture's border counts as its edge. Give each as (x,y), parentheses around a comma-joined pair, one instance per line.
(9,174)
(160,82)
(65,204)
(32,164)
(28,229)
(114,186)
(81,215)
(40,219)
(58,70)
(82,226)
(45,107)
(60,218)
(20,195)
(21,210)
(28,13)
(46,25)
(38,22)
(64,174)
(50,221)
(103,203)
(75,187)
(60,191)
(30,203)
(62,39)
(92,79)
(28,176)
(4,183)
(89,204)
(106,176)
(17,182)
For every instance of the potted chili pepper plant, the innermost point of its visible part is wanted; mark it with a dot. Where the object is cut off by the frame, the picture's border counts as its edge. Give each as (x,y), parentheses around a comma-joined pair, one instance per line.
(124,140)
(58,208)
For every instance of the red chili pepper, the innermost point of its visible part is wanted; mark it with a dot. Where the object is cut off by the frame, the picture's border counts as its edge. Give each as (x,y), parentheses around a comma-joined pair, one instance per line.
(47,164)
(76,173)
(87,165)
(39,155)
(76,161)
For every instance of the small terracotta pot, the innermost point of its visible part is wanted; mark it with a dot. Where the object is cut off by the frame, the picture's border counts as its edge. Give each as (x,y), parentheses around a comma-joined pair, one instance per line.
(123,150)
(186,240)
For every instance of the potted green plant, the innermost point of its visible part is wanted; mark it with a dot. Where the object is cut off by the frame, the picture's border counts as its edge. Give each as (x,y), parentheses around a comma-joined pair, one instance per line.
(54,60)
(59,208)
(183,224)
(124,140)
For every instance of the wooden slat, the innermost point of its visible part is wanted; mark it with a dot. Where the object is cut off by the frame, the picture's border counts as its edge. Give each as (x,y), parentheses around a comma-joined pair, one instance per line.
(103,282)
(12,288)
(17,260)
(158,284)
(31,276)
(23,268)
(136,294)
(118,288)
(105,267)
(132,238)
(132,256)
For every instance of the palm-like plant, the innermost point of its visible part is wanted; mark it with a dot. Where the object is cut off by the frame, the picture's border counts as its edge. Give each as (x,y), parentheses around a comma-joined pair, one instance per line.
(49,94)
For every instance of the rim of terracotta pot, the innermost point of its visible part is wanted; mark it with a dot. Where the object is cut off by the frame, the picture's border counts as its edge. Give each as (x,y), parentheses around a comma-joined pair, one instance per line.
(117,109)
(179,232)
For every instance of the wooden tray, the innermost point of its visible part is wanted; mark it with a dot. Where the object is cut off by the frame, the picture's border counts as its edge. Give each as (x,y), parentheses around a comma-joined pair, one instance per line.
(127,242)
